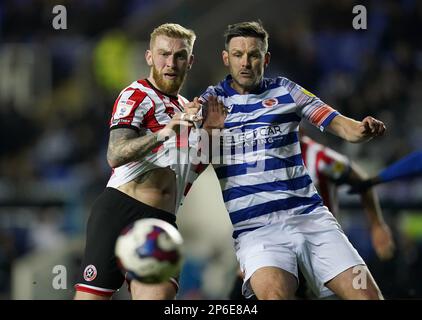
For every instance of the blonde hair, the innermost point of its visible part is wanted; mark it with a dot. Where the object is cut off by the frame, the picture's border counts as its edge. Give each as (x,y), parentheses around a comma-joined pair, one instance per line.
(174,30)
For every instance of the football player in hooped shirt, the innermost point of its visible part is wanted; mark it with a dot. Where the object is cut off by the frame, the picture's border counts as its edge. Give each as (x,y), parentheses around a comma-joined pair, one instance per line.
(145,182)
(279,220)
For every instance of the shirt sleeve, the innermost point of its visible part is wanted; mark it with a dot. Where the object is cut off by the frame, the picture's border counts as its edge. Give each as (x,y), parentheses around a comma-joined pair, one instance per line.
(309,106)
(130,109)
(203,98)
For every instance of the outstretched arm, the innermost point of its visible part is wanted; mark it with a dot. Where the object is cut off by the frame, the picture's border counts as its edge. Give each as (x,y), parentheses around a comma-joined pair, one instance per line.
(355,131)
(405,168)
(382,239)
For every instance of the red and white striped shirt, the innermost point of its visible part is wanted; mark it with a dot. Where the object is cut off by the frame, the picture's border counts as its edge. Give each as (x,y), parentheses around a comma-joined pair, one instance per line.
(144,108)
(325,167)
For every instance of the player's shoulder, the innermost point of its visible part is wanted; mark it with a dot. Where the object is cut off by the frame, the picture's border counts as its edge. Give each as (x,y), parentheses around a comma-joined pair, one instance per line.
(283,82)
(140,86)
(331,154)
(308,141)
(213,90)
(335,155)
(218,89)
(325,151)
(136,91)
(294,88)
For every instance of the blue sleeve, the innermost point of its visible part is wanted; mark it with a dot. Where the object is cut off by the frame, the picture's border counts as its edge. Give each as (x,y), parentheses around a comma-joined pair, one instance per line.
(309,106)
(407,167)
(203,98)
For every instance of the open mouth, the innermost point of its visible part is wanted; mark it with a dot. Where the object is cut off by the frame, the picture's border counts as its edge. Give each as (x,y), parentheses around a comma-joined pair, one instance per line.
(246,74)
(170,75)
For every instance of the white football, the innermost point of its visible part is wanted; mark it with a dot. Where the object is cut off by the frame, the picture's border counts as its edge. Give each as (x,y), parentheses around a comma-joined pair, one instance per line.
(150,251)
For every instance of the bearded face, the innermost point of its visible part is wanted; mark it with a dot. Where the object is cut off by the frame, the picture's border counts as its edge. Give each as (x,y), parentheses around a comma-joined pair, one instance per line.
(169,59)
(170,81)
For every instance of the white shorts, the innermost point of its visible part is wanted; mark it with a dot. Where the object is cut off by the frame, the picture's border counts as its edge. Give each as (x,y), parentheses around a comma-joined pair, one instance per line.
(315,241)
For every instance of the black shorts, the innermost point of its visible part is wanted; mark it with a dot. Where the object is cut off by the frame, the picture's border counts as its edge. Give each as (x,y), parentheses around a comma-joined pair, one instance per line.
(112,211)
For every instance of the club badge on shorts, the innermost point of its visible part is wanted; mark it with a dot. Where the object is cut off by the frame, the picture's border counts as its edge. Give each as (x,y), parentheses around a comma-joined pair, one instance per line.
(90,273)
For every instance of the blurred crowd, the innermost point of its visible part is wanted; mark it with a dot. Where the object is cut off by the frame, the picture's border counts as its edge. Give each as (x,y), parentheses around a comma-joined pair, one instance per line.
(57,88)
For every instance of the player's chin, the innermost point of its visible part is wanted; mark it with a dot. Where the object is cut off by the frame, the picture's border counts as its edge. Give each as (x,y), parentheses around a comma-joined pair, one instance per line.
(248,83)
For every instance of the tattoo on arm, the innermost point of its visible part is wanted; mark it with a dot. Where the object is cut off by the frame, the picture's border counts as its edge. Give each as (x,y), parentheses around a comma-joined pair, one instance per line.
(126,145)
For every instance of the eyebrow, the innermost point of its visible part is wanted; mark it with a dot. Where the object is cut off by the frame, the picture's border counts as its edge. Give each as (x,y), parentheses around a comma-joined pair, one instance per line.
(163,51)
(177,52)
(253,51)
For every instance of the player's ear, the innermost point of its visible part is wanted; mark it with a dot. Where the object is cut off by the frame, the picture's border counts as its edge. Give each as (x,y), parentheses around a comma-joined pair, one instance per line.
(191,59)
(267,59)
(225,56)
(148,57)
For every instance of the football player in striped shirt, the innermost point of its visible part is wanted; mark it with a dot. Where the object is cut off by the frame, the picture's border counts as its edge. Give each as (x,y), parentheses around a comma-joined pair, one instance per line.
(328,170)
(279,220)
(150,171)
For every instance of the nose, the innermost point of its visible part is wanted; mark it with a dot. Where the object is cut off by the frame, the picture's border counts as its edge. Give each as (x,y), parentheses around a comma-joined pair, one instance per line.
(171,61)
(246,63)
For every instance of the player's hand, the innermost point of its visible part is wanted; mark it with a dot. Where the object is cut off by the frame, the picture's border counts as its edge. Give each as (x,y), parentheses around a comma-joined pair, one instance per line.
(191,110)
(360,186)
(371,127)
(180,121)
(216,114)
(382,241)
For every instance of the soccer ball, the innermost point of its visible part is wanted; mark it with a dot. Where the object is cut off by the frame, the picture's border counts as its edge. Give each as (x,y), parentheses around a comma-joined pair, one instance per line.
(150,251)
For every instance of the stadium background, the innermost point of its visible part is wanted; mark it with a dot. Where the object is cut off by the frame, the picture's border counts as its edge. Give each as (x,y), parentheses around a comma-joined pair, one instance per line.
(57,88)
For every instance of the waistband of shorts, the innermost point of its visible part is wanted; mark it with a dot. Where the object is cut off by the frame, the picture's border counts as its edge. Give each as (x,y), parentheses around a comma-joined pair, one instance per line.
(159,213)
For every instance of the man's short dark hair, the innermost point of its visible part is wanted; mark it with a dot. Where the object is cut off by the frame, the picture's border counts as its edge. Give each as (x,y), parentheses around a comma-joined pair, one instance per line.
(246,29)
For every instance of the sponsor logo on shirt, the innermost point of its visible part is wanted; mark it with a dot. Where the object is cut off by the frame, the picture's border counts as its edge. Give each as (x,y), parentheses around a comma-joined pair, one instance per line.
(309,94)
(124,107)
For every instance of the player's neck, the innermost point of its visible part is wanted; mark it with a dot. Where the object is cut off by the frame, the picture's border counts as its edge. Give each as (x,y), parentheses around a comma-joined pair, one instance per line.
(156,87)
(243,90)
(238,89)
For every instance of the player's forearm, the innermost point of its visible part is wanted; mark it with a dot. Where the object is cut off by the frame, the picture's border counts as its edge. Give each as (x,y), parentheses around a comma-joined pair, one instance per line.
(369,198)
(347,129)
(128,150)
(372,208)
